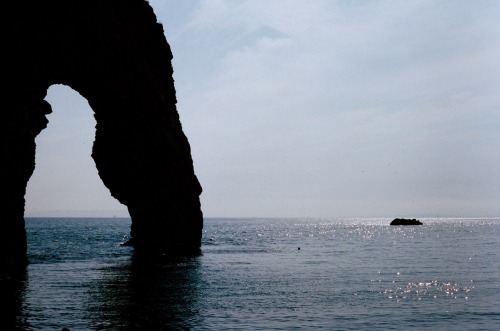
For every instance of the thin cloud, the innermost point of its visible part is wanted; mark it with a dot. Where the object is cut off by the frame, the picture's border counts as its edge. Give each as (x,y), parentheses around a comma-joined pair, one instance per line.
(393,81)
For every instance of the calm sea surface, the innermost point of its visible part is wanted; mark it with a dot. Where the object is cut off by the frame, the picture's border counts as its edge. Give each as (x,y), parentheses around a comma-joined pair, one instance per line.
(349,274)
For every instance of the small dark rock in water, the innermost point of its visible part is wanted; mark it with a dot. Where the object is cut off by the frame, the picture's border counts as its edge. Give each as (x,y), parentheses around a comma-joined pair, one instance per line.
(405,221)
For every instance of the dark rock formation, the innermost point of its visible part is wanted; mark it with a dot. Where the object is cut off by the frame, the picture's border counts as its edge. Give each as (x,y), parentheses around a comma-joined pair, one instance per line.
(114,53)
(405,221)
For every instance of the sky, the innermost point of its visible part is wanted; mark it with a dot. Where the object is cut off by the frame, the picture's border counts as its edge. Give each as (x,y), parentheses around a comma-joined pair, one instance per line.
(315,108)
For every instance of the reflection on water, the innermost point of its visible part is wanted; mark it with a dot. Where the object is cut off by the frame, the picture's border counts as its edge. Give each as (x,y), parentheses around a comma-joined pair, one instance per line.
(140,293)
(81,278)
(132,293)
(12,293)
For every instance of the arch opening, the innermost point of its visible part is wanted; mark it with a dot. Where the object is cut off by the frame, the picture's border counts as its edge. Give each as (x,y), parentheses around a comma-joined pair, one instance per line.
(65,182)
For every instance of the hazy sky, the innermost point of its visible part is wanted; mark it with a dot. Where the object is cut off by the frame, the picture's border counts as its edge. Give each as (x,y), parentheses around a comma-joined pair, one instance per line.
(314,108)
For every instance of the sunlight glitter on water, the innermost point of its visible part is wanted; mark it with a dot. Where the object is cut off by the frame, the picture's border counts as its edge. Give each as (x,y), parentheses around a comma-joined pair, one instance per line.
(428,290)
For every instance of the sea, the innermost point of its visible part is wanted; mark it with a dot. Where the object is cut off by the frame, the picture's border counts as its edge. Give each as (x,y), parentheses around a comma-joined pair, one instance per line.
(262,274)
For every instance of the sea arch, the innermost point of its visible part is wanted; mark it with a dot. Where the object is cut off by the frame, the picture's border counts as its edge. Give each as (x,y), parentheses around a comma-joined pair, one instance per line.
(114,53)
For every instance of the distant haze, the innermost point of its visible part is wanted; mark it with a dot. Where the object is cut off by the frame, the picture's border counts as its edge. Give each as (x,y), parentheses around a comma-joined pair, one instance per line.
(313,108)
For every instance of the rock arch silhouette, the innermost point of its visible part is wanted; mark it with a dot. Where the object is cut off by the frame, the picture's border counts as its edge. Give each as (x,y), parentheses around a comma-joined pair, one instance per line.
(114,53)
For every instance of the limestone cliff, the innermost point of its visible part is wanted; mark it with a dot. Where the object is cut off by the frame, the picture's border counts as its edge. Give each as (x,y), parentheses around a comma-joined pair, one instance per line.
(114,53)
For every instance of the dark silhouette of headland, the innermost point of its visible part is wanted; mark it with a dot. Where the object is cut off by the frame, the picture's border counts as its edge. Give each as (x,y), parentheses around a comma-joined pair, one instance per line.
(114,53)
(405,221)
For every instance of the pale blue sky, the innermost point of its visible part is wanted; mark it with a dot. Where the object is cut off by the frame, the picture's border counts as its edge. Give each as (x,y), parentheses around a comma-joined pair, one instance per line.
(314,108)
